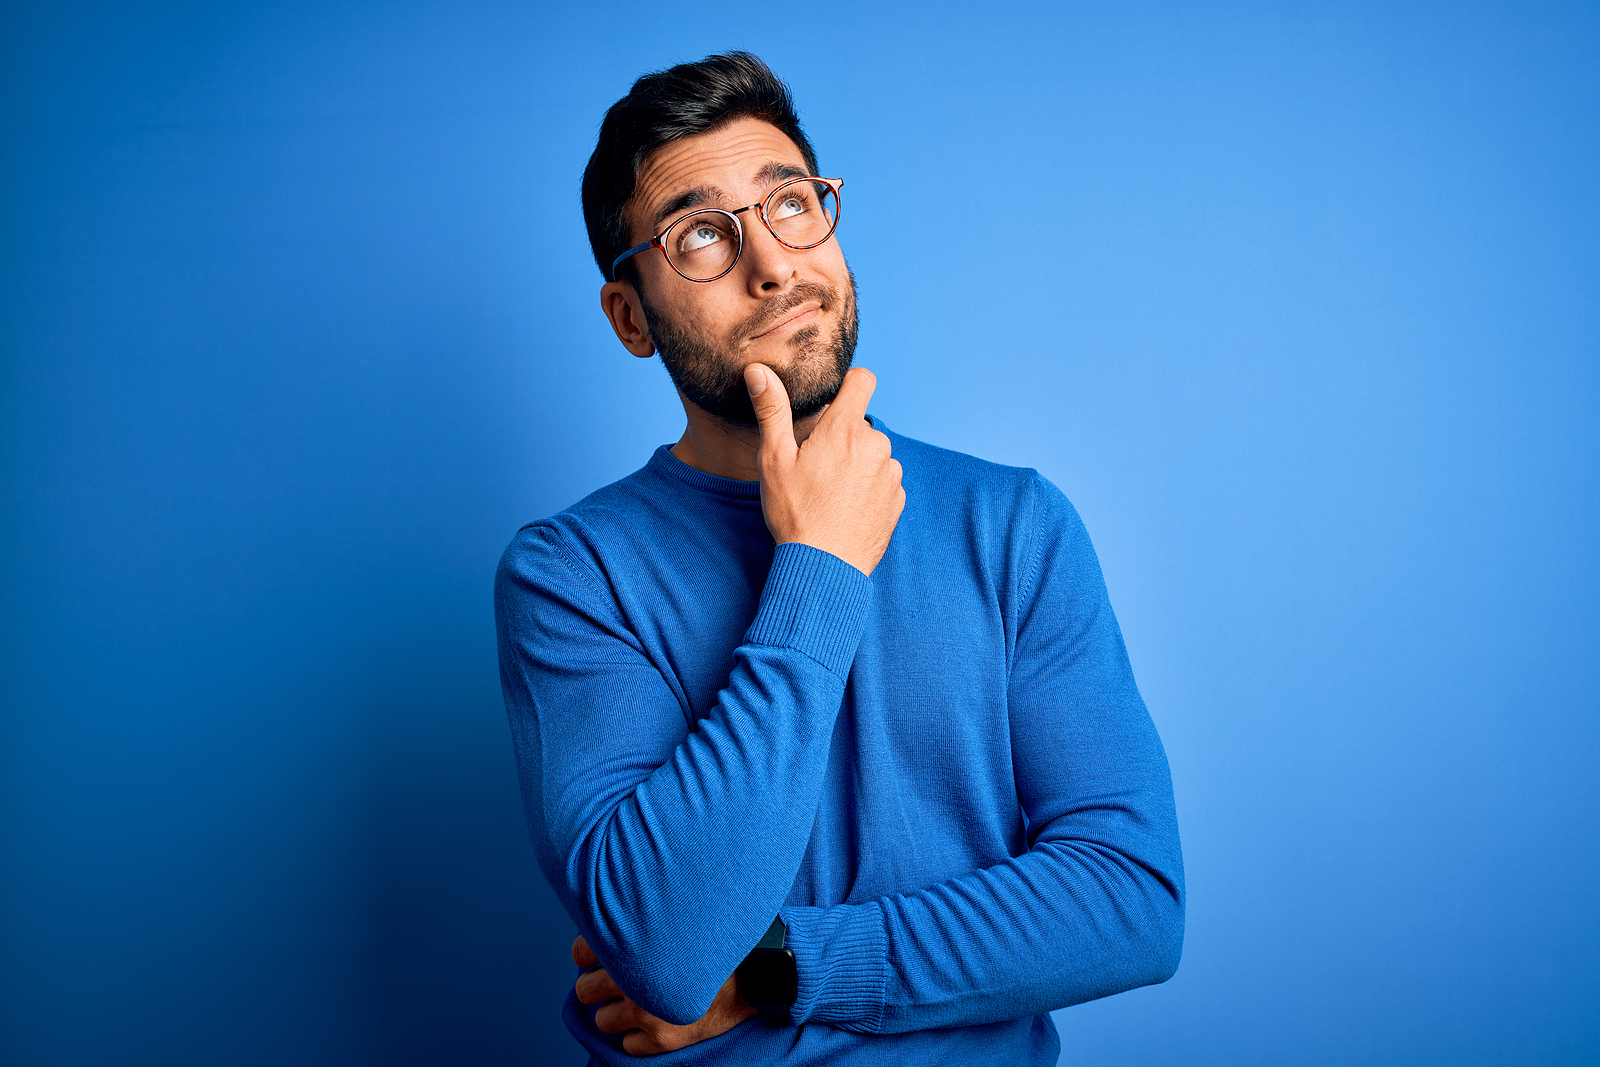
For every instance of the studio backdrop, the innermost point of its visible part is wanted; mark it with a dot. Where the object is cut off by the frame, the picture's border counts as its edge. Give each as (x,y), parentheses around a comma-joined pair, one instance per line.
(1297,303)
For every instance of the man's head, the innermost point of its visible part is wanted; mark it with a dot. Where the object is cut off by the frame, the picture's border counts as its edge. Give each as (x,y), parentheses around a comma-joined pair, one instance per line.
(720,133)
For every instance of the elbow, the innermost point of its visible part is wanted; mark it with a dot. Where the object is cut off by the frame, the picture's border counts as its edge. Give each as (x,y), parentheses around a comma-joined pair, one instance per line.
(1164,941)
(674,986)
(1165,896)
(674,998)
(1165,955)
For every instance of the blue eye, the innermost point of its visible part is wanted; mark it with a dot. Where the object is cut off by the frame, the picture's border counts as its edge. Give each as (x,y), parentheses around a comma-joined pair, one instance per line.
(788,207)
(700,237)
(703,244)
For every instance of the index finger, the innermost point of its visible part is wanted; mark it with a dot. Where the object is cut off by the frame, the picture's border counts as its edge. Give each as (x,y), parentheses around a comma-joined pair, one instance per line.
(855,392)
(582,954)
(596,987)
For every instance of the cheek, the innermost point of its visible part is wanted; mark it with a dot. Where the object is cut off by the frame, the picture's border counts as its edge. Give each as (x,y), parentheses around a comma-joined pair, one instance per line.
(707,316)
(830,261)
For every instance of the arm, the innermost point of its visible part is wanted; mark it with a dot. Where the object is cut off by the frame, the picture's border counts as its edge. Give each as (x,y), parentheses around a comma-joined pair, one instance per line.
(672,849)
(643,1033)
(1095,905)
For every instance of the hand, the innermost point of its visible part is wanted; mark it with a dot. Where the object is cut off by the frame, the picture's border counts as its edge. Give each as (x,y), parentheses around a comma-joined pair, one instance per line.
(643,1033)
(840,491)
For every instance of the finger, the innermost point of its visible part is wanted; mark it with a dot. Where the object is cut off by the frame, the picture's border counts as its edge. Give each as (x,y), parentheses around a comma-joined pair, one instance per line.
(582,954)
(596,987)
(615,1016)
(647,1043)
(855,392)
(771,401)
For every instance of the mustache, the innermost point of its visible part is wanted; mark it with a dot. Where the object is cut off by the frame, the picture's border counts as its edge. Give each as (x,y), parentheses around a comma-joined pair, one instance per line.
(771,312)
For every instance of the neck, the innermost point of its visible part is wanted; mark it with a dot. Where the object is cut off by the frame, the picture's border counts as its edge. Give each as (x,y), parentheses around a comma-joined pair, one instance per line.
(728,451)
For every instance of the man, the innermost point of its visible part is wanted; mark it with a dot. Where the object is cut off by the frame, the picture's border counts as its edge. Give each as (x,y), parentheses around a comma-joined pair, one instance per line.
(813,720)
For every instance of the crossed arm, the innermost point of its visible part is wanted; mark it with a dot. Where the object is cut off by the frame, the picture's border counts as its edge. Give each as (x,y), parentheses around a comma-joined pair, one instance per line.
(640,834)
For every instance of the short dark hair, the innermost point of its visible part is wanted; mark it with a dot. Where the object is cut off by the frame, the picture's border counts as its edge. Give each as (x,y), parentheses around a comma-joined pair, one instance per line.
(667,106)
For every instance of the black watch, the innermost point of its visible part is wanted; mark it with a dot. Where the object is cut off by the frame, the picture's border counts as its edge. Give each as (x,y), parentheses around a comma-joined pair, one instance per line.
(767,978)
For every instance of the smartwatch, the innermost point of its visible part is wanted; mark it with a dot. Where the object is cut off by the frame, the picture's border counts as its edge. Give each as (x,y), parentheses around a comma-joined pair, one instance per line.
(767,979)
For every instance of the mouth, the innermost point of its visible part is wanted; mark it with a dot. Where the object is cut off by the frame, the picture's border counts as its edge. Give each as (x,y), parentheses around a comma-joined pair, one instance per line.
(791,320)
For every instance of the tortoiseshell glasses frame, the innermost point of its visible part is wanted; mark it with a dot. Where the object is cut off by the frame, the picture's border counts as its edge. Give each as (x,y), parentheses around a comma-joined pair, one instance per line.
(803,224)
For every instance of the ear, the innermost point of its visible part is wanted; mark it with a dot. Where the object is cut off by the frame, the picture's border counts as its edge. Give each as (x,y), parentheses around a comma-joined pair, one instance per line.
(620,302)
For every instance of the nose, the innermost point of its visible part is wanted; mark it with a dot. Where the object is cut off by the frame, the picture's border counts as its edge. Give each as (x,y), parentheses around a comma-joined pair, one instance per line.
(772,265)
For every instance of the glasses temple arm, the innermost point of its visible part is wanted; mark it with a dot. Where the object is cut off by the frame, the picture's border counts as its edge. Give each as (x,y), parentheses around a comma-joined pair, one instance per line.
(635,250)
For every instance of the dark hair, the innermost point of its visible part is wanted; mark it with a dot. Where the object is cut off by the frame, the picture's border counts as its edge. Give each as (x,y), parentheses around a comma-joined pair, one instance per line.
(667,106)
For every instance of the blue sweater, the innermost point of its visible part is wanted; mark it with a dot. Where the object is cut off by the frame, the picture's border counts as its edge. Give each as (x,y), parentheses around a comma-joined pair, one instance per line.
(942,776)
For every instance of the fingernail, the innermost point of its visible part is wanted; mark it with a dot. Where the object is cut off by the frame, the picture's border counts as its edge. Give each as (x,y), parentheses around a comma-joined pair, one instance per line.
(755,382)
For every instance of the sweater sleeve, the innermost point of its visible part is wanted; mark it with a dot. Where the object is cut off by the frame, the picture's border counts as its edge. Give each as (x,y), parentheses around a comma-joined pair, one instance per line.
(1094,905)
(671,848)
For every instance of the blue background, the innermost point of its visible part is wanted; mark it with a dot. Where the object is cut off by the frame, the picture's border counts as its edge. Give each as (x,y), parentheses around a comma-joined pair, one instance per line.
(1298,305)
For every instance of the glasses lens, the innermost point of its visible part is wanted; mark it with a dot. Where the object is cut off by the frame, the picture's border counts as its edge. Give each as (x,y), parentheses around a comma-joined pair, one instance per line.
(703,245)
(803,213)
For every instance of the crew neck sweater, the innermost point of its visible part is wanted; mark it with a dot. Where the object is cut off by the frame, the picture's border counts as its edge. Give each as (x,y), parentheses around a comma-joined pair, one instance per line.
(941,777)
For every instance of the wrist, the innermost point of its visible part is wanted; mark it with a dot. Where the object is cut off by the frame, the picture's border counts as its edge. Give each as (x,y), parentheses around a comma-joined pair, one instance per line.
(767,981)
(841,958)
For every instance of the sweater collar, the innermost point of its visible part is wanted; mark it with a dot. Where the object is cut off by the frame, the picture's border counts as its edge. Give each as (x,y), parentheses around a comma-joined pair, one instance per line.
(667,465)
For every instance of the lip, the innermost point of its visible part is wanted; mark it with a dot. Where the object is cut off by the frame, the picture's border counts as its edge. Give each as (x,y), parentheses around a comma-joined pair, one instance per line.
(799,317)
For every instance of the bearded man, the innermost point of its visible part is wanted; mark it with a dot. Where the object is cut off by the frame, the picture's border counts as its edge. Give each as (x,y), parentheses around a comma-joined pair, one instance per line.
(828,739)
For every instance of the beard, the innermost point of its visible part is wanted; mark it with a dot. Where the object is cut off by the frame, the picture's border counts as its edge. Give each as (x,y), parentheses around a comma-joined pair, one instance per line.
(711,376)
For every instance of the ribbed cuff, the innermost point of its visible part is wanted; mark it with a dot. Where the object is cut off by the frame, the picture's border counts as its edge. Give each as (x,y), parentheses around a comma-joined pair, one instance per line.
(814,602)
(842,956)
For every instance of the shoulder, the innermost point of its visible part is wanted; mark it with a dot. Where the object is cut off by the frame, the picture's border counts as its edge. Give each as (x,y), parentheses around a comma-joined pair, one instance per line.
(568,547)
(1014,518)
(958,481)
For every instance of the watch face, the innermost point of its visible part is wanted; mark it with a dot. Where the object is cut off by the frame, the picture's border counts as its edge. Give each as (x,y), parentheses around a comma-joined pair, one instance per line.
(768,978)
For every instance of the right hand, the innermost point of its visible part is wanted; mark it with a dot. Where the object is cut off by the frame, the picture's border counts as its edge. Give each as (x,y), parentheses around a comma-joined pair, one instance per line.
(642,1033)
(840,491)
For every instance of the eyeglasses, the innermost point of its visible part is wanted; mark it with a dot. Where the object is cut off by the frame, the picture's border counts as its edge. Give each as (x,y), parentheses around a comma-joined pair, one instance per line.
(704,245)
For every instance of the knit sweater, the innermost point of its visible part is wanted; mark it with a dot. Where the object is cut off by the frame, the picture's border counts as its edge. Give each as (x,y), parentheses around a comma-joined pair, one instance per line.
(942,777)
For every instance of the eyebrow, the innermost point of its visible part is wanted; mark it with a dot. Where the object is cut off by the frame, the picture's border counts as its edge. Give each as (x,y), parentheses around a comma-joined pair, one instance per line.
(771,174)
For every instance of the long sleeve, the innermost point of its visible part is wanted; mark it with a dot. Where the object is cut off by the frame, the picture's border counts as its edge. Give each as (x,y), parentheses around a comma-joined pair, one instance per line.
(1095,903)
(671,842)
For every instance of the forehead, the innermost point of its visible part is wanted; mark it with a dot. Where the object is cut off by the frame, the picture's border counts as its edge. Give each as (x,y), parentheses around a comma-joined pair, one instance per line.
(728,158)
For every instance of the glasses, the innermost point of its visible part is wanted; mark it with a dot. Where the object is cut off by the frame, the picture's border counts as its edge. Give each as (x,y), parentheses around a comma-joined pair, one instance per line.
(704,245)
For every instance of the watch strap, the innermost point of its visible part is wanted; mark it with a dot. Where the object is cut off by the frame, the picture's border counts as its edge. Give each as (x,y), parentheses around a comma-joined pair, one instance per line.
(775,934)
(767,978)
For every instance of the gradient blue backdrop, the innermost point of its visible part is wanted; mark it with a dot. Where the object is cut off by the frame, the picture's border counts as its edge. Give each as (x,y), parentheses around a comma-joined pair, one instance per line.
(1297,303)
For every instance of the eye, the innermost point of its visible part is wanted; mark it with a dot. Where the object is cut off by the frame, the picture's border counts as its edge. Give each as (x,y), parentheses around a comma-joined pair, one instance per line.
(791,205)
(698,237)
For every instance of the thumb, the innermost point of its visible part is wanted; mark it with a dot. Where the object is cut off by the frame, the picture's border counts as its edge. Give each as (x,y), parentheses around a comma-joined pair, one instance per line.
(771,403)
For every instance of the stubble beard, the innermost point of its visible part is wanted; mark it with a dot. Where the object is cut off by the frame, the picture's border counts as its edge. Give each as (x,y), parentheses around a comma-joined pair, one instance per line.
(711,376)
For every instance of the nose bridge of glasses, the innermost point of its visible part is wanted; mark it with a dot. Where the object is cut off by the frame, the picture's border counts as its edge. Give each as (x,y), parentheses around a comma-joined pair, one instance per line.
(765,235)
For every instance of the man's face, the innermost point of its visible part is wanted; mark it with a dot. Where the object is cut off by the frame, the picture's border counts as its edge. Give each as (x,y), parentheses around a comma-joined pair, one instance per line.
(791,310)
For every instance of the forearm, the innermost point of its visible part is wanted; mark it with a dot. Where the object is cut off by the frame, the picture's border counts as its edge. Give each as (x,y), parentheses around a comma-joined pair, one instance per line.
(1061,925)
(674,857)
(1065,923)
(677,881)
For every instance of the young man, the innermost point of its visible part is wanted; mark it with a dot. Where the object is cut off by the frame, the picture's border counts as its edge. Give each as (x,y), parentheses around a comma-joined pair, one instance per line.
(815,722)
